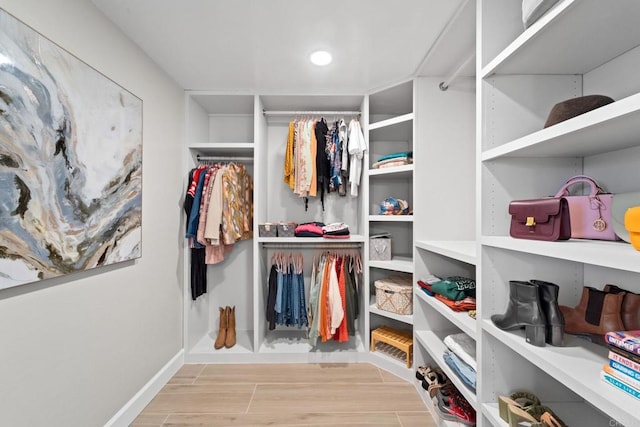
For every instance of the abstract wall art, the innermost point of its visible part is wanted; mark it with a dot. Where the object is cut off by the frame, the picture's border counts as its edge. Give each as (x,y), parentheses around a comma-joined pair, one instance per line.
(70,162)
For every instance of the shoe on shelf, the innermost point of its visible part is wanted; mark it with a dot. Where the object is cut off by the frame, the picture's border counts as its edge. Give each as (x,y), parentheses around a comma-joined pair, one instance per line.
(554,328)
(230,339)
(452,406)
(549,419)
(434,380)
(630,311)
(422,371)
(523,311)
(519,399)
(597,313)
(518,415)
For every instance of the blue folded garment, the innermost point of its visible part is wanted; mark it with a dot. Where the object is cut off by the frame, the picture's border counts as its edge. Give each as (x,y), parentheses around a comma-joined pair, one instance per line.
(462,370)
(407,154)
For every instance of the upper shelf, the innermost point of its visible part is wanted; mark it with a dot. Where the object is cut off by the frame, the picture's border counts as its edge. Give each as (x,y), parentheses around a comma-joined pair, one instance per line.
(391,218)
(612,127)
(392,121)
(573,38)
(462,250)
(223,148)
(354,238)
(405,170)
(618,255)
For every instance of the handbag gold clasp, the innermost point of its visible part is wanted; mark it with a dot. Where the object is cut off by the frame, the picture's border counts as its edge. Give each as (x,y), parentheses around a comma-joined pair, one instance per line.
(530,222)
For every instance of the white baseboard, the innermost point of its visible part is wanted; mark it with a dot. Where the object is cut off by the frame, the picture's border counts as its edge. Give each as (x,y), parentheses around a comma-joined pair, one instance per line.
(125,416)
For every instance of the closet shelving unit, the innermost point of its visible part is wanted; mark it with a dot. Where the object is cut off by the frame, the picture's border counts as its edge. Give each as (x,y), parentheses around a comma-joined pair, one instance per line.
(577,48)
(219,127)
(444,224)
(391,130)
(275,202)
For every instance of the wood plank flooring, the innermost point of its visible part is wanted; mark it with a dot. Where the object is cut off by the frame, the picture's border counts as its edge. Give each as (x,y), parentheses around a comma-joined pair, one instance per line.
(286,395)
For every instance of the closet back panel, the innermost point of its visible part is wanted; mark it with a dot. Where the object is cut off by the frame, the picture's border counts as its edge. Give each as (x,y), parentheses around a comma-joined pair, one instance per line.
(197,121)
(231,127)
(283,205)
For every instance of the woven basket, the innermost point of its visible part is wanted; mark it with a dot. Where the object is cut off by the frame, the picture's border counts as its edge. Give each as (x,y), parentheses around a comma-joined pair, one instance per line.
(394,294)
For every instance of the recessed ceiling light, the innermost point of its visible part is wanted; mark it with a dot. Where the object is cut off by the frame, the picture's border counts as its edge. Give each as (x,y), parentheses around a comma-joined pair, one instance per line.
(321,57)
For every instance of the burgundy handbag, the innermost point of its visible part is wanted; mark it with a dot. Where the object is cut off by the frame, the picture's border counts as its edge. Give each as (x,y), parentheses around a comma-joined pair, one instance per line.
(590,214)
(540,219)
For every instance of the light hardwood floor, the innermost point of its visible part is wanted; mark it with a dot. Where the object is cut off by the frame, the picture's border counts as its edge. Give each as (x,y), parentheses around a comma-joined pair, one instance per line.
(286,395)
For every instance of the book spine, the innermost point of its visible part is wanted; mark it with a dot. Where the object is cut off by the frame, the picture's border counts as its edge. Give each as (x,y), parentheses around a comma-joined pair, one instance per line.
(625,354)
(624,361)
(613,339)
(620,385)
(621,368)
(621,377)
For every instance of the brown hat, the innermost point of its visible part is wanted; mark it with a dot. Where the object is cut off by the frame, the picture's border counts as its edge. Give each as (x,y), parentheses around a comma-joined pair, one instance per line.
(573,107)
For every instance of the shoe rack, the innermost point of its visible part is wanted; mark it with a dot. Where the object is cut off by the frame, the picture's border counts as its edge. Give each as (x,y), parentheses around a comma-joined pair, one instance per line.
(577,48)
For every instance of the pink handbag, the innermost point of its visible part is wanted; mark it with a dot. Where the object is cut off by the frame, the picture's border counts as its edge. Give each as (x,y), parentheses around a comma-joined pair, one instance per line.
(590,215)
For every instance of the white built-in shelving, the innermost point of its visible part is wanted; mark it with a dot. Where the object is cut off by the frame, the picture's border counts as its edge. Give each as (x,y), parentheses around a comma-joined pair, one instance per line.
(523,74)
(397,263)
(391,218)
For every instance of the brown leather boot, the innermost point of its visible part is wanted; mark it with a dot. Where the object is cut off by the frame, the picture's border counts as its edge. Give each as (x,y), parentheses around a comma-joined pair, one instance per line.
(630,307)
(597,313)
(222,332)
(230,341)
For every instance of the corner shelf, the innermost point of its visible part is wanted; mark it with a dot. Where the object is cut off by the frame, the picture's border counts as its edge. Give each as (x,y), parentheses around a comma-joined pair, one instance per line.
(461,250)
(435,346)
(404,318)
(396,171)
(461,320)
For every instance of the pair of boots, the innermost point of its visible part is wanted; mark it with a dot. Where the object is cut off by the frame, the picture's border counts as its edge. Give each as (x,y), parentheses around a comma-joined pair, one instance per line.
(227,332)
(602,311)
(534,306)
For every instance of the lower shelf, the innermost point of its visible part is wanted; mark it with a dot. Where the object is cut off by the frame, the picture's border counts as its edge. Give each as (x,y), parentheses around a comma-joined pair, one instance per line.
(435,346)
(434,413)
(572,413)
(296,341)
(404,318)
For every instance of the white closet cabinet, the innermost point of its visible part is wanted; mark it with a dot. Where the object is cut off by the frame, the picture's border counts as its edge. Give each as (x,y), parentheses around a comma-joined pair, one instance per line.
(577,48)
(391,130)
(444,219)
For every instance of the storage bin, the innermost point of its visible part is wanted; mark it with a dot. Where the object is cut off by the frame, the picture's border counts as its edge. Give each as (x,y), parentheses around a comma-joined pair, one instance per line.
(267,229)
(395,294)
(287,229)
(380,247)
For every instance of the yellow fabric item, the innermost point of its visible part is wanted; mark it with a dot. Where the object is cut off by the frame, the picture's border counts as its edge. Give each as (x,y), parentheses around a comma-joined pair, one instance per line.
(289,170)
(632,224)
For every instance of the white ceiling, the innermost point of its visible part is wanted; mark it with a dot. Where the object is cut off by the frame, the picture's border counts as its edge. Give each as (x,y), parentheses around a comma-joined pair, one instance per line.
(264,45)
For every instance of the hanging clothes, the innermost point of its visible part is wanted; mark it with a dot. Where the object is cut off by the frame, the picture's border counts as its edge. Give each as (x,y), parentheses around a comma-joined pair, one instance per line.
(357,146)
(333,297)
(219,211)
(286,300)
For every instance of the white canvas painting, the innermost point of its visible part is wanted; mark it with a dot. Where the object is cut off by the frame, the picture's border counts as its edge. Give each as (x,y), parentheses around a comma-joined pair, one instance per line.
(70,162)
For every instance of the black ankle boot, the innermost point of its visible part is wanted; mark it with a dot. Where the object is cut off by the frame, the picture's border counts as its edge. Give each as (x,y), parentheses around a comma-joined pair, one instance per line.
(524,310)
(554,331)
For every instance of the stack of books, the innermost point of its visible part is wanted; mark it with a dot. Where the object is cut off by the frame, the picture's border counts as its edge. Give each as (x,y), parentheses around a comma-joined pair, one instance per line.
(623,369)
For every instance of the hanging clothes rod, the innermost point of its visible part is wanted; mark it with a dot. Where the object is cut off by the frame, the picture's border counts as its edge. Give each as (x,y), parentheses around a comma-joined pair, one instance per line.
(310,113)
(224,159)
(319,245)
(444,85)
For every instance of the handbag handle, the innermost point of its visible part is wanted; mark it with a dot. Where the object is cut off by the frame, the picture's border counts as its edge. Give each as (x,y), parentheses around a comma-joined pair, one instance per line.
(595,188)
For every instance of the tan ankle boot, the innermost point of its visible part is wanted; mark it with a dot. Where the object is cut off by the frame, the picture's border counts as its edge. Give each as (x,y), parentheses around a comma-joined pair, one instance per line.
(597,313)
(230,340)
(222,332)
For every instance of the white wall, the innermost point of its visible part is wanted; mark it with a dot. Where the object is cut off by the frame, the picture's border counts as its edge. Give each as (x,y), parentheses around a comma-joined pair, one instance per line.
(74,350)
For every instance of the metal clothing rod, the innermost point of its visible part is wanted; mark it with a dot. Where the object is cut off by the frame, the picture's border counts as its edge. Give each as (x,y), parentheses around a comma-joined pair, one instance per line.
(224,158)
(444,85)
(319,245)
(310,113)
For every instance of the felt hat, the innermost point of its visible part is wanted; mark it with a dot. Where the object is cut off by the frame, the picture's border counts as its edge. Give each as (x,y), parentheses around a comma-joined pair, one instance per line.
(573,107)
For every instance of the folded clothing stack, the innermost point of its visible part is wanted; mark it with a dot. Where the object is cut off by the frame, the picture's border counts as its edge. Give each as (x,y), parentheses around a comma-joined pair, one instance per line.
(309,229)
(456,292)
(394,159)
(336,230)
(461,357)
(392,206)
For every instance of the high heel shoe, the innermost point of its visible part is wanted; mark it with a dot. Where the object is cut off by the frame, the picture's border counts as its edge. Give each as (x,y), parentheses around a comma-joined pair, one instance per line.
(517,415)
(524,310)
(519,399)
(550,419)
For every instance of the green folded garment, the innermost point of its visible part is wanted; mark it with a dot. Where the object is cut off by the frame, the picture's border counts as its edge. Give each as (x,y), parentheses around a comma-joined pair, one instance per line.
(455,288)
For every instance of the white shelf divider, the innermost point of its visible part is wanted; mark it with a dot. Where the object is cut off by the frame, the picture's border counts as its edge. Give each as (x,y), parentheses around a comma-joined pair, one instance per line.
(462,250)
(436,348)
(461,320)
(618,255)
(392,121)
(397,263)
